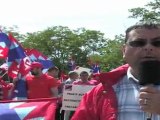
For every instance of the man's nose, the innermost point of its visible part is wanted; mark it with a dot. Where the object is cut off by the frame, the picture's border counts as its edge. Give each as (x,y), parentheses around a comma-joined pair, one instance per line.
(148,47)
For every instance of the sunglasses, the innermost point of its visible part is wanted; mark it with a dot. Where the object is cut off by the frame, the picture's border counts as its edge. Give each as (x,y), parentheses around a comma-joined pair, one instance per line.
(141,43)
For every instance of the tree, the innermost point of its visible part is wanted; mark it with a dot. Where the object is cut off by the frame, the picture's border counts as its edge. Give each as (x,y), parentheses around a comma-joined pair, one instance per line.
(112,53)
(91,43)
(151,12)
(60,42)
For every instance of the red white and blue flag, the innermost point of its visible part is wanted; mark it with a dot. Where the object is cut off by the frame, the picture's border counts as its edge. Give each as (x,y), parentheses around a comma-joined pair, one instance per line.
(19,64)
(18,57)
(35,109)
(4,43)
(36,55)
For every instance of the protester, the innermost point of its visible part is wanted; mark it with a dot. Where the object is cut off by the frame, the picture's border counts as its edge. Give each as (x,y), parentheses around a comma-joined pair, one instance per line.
(94,79)
(73,76)
(40,85)
(84,79)
(6,85)
(120,96)
(6,90)
(53,71)
(71,64)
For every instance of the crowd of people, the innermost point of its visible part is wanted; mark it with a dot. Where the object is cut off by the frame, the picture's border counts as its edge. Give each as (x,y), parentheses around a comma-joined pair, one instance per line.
(129,92)
(46,85)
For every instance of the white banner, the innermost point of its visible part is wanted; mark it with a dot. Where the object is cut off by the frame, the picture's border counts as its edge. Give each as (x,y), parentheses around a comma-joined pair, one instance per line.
(72,95)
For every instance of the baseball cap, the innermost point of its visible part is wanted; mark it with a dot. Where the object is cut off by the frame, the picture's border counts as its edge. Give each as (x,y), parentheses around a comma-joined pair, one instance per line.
(36,65)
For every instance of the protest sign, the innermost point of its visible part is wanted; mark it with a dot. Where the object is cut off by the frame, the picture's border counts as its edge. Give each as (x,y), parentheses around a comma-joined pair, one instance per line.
(72,95)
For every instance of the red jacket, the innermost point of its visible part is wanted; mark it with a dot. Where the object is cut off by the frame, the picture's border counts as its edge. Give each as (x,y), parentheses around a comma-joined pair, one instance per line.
(101,102)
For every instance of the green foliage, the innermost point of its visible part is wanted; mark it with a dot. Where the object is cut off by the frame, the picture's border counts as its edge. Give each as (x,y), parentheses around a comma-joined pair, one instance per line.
(112,53)
(150,12)
(59,43)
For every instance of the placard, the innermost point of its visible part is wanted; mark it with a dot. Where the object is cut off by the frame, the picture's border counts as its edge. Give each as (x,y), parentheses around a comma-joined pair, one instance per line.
(72,95)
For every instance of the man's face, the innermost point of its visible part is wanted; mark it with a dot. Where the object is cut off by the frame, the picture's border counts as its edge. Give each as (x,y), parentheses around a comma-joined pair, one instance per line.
(84,77)
(142,45)
(35,71)
(54,73)
(75,76)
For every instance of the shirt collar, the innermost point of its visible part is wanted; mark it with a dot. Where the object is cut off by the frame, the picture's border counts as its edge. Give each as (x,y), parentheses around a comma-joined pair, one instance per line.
(130,76)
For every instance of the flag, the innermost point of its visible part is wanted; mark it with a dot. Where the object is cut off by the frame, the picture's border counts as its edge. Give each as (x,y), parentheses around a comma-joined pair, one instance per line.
(95,68)
(36,55)
(18,62)
(16,51)
(4,67)
(4,44)
(18,56)
(13,69)
(33,109)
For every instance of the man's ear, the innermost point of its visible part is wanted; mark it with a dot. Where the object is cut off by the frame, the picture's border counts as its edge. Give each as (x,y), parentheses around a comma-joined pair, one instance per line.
(123,50)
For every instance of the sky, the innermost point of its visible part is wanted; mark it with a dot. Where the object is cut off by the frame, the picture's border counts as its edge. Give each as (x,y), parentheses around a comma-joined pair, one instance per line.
(107,16)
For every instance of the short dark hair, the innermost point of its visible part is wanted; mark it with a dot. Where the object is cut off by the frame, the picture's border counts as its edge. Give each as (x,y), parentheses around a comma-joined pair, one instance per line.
(84,72)
(146,25)
(72,73)
(53,68)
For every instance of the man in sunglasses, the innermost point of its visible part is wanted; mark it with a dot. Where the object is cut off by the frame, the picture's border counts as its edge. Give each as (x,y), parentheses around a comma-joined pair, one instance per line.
(131,91)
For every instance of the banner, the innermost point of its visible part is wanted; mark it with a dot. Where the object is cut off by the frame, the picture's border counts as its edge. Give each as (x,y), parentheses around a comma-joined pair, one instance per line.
(33,109)
(72,95)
